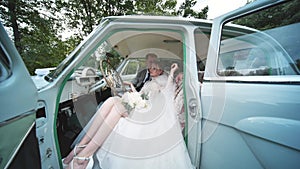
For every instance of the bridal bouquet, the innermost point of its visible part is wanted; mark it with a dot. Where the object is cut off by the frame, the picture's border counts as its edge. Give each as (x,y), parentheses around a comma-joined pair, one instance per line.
(134,100)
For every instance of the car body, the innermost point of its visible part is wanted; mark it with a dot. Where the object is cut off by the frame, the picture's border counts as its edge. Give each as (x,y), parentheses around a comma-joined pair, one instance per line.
(239,113)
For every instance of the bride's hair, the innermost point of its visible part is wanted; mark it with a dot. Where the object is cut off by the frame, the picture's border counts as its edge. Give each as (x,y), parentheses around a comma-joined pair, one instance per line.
(157,64)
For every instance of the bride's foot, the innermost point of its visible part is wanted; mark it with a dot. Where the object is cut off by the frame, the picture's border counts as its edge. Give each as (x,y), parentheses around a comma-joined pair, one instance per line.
(73,153)
(79,163)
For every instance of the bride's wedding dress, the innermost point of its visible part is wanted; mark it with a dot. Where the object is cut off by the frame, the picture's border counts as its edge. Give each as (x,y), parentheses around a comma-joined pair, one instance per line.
(148,138)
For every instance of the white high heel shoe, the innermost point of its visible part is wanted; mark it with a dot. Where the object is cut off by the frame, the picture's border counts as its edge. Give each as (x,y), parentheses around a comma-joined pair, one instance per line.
(85,162)
(74,154)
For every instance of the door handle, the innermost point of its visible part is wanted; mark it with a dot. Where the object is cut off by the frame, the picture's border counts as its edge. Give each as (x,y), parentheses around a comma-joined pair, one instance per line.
(193,108)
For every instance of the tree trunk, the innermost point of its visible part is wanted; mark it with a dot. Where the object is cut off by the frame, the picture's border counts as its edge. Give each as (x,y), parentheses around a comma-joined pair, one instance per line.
(12,13)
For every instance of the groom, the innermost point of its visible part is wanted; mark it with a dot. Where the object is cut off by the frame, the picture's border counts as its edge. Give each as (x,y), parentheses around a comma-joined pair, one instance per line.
(144,75)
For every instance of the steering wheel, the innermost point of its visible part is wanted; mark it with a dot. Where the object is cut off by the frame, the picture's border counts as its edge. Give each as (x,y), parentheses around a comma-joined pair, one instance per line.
(112,78)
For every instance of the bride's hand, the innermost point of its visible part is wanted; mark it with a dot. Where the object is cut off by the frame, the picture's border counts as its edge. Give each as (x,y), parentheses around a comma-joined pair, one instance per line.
(130,85)
(179,78)
(174,67)
(127,83)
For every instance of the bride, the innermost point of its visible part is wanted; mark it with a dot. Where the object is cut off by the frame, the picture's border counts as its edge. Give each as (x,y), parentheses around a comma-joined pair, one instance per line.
(131,132)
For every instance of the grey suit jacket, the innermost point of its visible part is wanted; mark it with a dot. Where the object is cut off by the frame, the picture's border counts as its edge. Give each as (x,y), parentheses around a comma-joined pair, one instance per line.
(138,81)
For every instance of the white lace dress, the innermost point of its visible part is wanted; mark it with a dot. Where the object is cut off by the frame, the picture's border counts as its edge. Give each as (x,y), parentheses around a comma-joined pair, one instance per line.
(149,138)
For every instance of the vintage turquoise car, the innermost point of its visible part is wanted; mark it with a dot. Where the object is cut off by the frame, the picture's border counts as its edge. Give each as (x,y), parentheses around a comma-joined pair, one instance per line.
(241,87)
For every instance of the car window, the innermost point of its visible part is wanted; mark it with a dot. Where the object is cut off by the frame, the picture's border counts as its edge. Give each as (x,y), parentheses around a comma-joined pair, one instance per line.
(131,68)
(5,65)
(267,46)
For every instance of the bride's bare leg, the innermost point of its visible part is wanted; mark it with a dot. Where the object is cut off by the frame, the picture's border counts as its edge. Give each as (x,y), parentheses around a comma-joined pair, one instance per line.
(105,129)
(101,114)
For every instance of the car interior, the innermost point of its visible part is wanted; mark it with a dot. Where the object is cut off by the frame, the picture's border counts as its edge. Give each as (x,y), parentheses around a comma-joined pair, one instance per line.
(84,91)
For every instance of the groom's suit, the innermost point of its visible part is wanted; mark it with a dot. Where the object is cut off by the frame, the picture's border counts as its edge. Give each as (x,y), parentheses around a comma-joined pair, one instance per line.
(141,78)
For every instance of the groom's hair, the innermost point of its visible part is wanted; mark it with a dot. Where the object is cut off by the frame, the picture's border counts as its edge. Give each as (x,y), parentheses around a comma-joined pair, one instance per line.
(151,55)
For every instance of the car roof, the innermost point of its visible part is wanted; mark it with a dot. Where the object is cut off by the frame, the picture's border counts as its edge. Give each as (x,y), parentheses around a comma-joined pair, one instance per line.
(165,44)
(158,19)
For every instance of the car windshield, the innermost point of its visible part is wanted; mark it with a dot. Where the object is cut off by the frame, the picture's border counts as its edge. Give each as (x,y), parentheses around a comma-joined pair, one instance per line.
(67,61)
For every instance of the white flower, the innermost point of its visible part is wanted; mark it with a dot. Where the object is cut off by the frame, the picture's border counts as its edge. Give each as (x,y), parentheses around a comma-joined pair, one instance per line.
(134,100)
(141,104)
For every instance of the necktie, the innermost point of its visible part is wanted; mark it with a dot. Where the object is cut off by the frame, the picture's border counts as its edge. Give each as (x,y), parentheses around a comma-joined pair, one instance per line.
(147,77)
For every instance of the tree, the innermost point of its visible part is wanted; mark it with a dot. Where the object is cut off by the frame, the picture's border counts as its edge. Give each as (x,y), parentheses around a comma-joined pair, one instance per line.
(84,15)
(156,7)
(34,32)
(186,10)
(272,17)
(36,25)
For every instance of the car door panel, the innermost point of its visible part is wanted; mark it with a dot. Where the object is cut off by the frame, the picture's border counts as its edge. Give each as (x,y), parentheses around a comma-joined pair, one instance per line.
(252,130)
(18,101)
(14,135)
(253,111)
(192,102)
(18,92)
